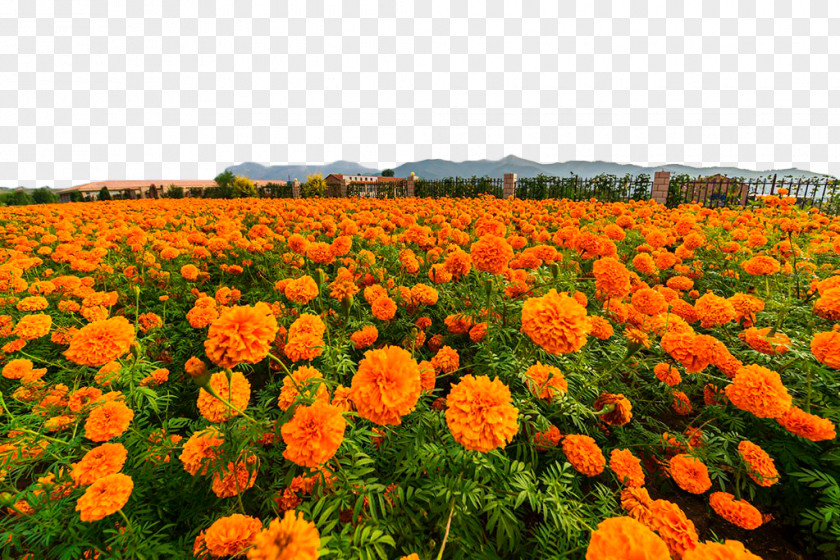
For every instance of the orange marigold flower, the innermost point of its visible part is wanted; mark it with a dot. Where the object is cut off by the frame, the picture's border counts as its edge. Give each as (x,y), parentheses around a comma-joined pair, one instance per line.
(231,535)
(301,290)
(100,342)
(341,398)
(99,462)
(201,450)
(314,434)
(667,374)
(825,346)
(612,279)
(242,334)
(290,538)
(108,420)
(555,322)
(303,347)
(714,310)
(386,385)
(690,473)
(828,305)
(759,390)
(17,369)
(761,265)
(236,477)
(806,425)
(584,454)
(760,465)
(548,439)
(446,360)
(306,379)
(600,328)
(740,512)
(195,367)
(627,467)
(680,403)
(189,272)
(545,382)
(307,324)
(236,390)
(761,341)
(614,410)
(34,326)
(478,332)
(364,337)
(480,413)
(491,254)
(648,301)
(729,550)
(624,537)
(104,497)
(384,308)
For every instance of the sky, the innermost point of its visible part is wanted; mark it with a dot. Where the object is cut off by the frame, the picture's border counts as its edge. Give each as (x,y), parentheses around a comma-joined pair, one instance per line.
(166,90)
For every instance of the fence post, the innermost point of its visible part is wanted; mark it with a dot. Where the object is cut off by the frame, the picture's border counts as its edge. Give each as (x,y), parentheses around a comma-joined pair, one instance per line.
(295,189)
(509,189)
(409,185)
(661,182)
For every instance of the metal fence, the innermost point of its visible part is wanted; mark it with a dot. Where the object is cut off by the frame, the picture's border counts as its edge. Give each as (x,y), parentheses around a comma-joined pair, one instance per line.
(390,189)
(812,192)
(459,187)
(603,187)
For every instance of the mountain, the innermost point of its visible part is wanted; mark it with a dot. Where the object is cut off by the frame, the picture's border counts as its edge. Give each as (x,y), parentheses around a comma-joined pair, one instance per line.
(257,171)
(438,169)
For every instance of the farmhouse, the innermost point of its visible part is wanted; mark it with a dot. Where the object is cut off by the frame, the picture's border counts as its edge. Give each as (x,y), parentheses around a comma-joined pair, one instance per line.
(337,183)
(144,189)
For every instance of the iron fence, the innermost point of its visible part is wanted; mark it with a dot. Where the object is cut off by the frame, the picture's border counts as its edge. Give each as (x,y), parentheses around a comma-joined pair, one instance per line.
(602,187)
(459,187)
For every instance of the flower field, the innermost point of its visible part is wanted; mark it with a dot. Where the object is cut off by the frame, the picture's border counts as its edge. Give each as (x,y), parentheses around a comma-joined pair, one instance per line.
(419,378)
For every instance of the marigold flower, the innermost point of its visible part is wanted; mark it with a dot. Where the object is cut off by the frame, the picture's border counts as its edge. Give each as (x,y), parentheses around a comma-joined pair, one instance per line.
(761,341)
(690,473)
(17,369)
(545,382)
(555,322)
(201,451)
(386,386)
(491,254)
(825,346)
(364,337)
(99,462)
(236,477)
(384,308)
(828,304)
(759,390)
(31,327)
(231,535)
(548,439)
(621,409)
(101,342)
(667,374)
(446,360)
(104,497)
(761,265)
(649,302)
(729,550)
(242,334)
(480,413)
(600,328)
(301,290)
(760,465)
(108,420)
(307,378)
(739,512)
(314,434)
(612,279)
(624,537)
(627,468)
(236,390)
(290,538)
(806,425)
(584,454)
(714,310)
(662,516)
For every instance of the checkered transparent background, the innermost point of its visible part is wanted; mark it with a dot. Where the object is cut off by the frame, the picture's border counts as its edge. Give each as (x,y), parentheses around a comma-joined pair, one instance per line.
(179,89)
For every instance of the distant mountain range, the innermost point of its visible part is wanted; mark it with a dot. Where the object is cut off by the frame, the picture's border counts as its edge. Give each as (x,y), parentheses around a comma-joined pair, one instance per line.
(440,168)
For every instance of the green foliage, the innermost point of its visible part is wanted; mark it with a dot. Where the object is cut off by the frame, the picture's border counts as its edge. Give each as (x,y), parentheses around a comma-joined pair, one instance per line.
(104,194)
(387,172)
(243,187)
(17,198)
(315,185)
(174,191)
(44,195)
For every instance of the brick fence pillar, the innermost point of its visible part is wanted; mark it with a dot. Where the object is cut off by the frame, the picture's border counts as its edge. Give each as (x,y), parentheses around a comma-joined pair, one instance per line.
(509,189)
(409,185)
(295,189)
(661,182)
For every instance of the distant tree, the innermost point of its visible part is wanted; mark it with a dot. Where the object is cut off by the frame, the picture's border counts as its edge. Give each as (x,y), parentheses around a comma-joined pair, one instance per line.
(174,191)
(104,194)
(17,198)
(314,186)
(44,195)
(388,173)
(76,196)
(243,187)
(225,179)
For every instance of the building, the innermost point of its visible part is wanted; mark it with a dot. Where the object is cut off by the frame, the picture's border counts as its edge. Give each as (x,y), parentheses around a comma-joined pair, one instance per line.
(366,184)
(145,189)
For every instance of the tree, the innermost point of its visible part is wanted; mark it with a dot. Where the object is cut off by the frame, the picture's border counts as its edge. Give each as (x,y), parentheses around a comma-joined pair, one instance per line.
(314,186)
(225,179)
(17,198)
(225,188)
(174,191)
(243,187)
(388,173)
(44,195)
(76,196)
(104,194)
